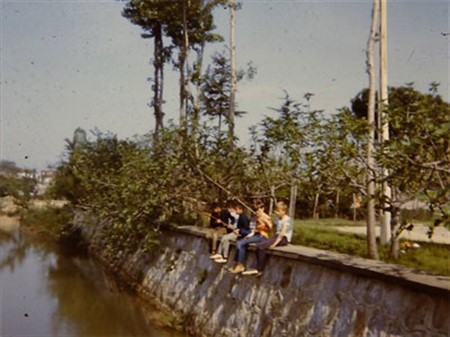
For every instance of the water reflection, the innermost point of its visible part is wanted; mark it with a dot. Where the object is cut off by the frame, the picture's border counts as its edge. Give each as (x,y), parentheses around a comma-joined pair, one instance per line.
(48,294)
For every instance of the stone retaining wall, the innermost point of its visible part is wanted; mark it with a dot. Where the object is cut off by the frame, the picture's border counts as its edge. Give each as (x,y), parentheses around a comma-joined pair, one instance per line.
(303,292)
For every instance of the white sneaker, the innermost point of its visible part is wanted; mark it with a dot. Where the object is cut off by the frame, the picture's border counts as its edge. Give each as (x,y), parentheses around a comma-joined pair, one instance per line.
(221,260)
(236,270)
(251,272)
(215,256)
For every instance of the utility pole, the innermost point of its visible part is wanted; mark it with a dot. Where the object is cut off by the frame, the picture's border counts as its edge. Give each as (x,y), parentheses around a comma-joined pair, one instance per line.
(233,73)
(385,232)
(371,234)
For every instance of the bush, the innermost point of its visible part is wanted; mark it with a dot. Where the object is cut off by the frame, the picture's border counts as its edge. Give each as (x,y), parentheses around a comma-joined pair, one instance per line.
(49,221)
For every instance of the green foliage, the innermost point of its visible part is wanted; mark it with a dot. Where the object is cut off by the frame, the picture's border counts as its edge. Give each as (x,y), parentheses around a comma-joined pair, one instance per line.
(139,185)
(185,168)
(417,155)
(418,152)
(8,167)
(215,91)
(20,187)
(48,220)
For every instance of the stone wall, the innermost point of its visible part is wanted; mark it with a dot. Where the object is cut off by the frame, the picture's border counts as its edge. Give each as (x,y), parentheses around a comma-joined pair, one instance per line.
(303,292)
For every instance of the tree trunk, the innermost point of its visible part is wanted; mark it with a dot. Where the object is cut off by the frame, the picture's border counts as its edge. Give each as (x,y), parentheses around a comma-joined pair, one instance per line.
(394,249)
(293,200)
(233,74)
(336,209)
(272,199)
(394,240)
(387,193)
(316,204)
(371,221)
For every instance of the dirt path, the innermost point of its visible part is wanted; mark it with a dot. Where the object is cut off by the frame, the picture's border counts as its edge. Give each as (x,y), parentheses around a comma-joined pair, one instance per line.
(419,233)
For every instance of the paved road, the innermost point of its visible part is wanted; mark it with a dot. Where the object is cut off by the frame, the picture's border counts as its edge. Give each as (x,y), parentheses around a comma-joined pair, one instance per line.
(419,233)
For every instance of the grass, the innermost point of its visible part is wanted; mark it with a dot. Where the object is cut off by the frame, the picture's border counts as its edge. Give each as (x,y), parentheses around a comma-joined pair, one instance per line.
(48,220)
(321,234)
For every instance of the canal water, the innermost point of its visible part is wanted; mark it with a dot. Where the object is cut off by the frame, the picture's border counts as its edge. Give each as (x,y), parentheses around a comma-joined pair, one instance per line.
(45,293)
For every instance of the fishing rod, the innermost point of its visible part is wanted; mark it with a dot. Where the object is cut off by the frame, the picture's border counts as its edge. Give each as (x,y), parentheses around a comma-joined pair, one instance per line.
(223,188)
(202,212)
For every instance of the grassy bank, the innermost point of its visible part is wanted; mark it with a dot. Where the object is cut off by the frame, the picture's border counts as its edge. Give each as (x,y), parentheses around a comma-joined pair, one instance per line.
(46,222)
(321,234)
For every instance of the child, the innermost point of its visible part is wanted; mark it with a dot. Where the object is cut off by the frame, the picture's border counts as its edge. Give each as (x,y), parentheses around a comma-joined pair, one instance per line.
(220,221)
(241,230)
(261,233)
(282,238)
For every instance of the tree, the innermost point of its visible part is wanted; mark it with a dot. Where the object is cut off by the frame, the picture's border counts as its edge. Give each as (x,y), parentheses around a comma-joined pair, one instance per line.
(216,90)
(16,182)
(190,26)
(417,155)
(339,157)
(289,140)
(8,167)
(151,15)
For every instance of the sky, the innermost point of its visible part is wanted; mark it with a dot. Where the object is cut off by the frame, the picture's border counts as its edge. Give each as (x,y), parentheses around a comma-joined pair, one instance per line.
(69,64)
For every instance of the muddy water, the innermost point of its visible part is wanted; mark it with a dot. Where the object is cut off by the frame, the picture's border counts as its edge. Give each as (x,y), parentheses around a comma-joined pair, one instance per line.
(45,293)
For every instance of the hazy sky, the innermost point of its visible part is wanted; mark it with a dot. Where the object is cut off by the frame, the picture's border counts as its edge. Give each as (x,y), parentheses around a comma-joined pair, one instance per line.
(69,64)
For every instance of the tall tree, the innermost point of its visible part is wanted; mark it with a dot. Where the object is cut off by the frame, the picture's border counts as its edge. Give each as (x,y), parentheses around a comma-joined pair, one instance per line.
(216,90)
(151,15)
(289,140)
(190,26)
(417,156)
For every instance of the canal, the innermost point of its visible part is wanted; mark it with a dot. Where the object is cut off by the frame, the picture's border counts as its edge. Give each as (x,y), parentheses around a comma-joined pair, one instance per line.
(46,293)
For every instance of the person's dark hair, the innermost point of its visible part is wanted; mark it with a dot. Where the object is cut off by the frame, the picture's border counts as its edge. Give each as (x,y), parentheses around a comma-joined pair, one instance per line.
(239,206)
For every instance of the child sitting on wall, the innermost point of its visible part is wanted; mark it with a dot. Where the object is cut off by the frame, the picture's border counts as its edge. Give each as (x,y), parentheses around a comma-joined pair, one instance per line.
(283,236)
(260,234)
(220,222)
(241,230)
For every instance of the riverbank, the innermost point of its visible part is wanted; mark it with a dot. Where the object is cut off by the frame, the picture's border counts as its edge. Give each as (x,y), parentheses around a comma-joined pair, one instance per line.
(9,224)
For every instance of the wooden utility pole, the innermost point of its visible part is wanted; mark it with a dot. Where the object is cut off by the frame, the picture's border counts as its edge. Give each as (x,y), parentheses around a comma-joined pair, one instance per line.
(233,73)
(385,234)
(371,221)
